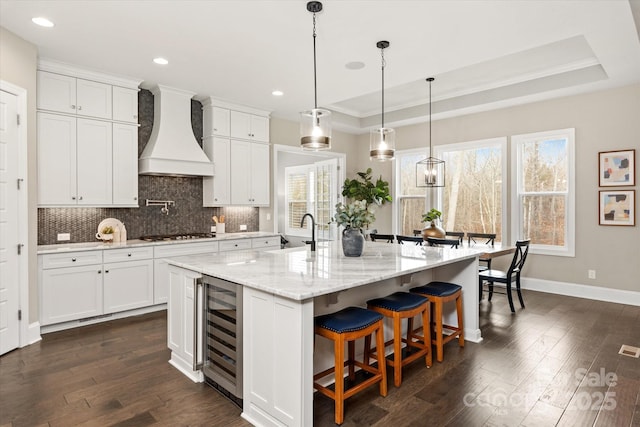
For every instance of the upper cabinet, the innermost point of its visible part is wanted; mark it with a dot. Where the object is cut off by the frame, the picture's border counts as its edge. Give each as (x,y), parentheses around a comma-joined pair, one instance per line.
(87,138)
(125,104)
(249,126)
(73,96)
(236,140)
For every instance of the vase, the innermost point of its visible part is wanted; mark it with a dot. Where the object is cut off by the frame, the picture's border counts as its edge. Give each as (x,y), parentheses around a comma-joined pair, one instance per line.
(433,231)
(352,242)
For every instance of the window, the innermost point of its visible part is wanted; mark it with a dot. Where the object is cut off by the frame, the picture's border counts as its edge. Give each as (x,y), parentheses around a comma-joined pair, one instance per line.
(543,202)
(475,176)
(410,201)
(308,189)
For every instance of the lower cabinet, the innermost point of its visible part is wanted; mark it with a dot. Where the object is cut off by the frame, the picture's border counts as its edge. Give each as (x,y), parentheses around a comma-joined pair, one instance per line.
(128,285)
(70,293)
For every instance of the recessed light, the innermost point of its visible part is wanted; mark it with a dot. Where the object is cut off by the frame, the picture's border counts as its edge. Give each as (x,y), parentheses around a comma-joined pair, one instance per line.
(277,93)
(160,61)
(43,22)
(355,65)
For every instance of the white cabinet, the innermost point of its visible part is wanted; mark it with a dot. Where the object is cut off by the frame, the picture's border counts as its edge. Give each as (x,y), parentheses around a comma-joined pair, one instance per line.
(161,268)
(128,285)
(125,164)
(56,155)
(184,314)
(94,162)
(71,95)
(70,286)
(84,162)
(216,190)
(249,126)
(125,104)
(266,243)
(216,121)
(249,173)
(84,157)
(74,161)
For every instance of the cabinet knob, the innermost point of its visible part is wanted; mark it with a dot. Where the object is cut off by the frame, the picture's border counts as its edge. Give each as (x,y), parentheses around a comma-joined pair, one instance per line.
(73,107)
(135,198)
(215,199)
(106,271)
(80,198)
(79,107)
(215,129)
(135,116)
(73,197)
(73,259)
(128,254)
(99,271)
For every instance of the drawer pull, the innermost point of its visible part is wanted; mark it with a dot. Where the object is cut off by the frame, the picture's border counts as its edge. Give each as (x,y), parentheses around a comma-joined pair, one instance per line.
(73,259)
(128,254)
(99,271)
(106,271)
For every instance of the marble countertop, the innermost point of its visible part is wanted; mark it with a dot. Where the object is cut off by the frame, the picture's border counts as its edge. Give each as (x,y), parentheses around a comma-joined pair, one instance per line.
(87,246)
(297,274)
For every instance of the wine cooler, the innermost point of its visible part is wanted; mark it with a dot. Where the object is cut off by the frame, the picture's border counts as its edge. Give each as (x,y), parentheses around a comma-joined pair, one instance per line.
(222,346)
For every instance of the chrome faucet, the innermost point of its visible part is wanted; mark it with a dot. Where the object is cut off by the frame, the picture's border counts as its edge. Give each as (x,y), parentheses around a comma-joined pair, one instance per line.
(313,231)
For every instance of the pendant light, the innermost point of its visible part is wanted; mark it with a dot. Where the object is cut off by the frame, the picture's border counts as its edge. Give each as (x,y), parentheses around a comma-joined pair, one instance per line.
(382,141)
(315,124)
(430,171)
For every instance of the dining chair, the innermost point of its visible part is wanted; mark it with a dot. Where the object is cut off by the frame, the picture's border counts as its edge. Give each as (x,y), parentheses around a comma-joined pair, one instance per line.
(435,241)
(508,277)
(375,237)
(458,234)
(482,239)
(417,240)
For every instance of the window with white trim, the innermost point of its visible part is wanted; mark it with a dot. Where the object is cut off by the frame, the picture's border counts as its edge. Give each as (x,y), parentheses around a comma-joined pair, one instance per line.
(543,191)
(409,200)
(474,197)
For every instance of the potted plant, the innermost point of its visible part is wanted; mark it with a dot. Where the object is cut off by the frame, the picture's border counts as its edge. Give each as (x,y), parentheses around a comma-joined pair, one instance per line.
(363,188)
(432,230)
(353,217)
(107,233)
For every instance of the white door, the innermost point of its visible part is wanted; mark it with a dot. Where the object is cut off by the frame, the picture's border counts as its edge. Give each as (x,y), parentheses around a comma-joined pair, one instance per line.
(9,278)
(326,197)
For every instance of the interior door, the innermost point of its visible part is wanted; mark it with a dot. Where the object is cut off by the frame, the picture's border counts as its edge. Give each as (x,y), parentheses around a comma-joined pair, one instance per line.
(9,280)
(326,197)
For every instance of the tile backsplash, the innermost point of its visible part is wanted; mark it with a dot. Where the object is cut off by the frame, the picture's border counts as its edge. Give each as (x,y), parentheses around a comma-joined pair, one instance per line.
(187,216)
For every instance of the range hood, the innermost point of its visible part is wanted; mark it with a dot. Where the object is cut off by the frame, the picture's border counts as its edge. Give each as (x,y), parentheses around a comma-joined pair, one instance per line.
(172,148)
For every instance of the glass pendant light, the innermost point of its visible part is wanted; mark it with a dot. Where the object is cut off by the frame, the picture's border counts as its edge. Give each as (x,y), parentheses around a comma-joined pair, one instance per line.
(315,124)
(382,141)
(430,171)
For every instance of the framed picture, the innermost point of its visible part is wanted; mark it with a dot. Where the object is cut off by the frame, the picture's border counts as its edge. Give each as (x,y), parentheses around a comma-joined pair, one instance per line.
(618,207)
(617,168)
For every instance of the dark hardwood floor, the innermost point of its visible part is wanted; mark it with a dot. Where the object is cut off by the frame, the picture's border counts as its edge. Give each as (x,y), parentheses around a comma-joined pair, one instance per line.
(552,363)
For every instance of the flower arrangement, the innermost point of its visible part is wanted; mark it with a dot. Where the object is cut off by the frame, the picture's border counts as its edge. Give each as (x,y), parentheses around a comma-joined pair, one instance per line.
(354,215)
(432,215)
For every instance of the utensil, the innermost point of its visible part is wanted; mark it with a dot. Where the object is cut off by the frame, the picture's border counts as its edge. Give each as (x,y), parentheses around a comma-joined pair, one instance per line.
(222,218)
(215,219)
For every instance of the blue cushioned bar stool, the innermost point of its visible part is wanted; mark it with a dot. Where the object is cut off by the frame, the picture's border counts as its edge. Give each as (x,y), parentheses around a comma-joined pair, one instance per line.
(349,325)
(440,293)
(398,306)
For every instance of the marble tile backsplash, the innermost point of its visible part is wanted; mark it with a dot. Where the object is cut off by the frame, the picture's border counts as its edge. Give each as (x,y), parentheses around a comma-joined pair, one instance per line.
(187,216)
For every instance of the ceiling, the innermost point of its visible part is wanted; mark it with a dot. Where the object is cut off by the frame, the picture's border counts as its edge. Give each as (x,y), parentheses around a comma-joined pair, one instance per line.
(483,54)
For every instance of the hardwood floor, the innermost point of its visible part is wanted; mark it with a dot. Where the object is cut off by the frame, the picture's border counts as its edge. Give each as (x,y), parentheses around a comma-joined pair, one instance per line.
(549,364)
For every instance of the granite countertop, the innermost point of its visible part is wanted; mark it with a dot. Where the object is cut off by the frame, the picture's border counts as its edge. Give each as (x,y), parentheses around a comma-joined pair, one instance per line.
(298,275)
(88,246)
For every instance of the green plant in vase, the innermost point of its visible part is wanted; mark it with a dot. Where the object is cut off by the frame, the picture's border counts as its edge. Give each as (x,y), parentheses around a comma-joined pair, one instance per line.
(432,230)
(353,217)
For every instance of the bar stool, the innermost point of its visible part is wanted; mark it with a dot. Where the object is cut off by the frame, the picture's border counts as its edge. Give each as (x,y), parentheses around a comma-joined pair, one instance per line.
(398,306)
(350,324)
(439,293)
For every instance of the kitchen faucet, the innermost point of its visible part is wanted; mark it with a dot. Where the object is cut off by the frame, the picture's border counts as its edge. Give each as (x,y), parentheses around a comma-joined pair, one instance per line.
(313,231)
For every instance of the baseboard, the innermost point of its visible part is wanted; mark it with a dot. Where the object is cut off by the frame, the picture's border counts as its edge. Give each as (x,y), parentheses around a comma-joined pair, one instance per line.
(33,334)
(99,319)
(582,291)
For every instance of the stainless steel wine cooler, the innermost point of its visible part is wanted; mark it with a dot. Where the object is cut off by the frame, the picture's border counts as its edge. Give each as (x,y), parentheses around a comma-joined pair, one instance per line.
(222,346)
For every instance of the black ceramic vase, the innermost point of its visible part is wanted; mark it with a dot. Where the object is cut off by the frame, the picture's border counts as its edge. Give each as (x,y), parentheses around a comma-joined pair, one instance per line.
(352,242)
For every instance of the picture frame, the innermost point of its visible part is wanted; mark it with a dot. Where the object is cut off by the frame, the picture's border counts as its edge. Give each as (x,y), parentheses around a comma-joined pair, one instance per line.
(617,207)
(617,168)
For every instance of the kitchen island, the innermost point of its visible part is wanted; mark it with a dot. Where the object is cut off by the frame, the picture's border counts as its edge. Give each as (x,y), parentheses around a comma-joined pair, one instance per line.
(282,292)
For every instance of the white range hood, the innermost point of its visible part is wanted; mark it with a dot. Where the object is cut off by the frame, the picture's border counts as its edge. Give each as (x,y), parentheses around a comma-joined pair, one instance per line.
(172,148)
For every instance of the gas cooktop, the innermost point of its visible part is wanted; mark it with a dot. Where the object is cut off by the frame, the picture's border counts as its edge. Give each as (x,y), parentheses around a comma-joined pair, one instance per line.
(186,236)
